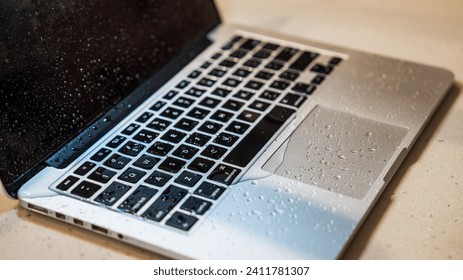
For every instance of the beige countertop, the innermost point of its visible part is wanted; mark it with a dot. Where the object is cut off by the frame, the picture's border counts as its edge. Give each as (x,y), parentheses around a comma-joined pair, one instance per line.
(420,214)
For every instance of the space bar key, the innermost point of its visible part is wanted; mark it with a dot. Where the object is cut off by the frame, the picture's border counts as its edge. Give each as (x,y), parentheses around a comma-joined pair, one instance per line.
(258,137)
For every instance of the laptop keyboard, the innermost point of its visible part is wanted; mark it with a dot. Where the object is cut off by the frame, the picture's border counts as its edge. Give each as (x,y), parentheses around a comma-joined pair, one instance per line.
(174,161)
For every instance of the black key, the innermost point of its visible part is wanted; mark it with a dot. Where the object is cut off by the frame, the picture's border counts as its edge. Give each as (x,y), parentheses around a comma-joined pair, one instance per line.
(239,53)
(146,162)
(259,105)
(144,117)
(160,149)
(132,149)
(227,63)
(101,154)
(258,137)
(269,95)
(145,136)
(166,202)
(216,56)
(230,82)
(171,94)
(84,168)
(137,199)
(209,190)
(243,94)
(198,139)
(183,84)
(232,42)
(206,82)
(195,74)
(159,124)
(335,61)
(132,175)
(270,46)
(210,102)
(214,152)
(304,88)
(172,113)
(321,69)
(226,139)
(222,116)
(86,189)
(201,165)
(112,193)
(289,76)
(254,85)
(67,183)
(117,161)
(206,65)
(102,175)
(186,124)
(224,174)
(249,44)
(262,54)
(286,54)
(303,61)
(184,102)
(248,116)
(242,73)
(173,136)
(237,127)
(279,85)
(130,129)
(188,179)
(181,221)
(221,92)
(274,65)
(158,179)
(210,127)
(295,100)
(253,63)
(185,151)
(172,165)
(317,80)
(217,72)
(196,205)
(198,113)
(196,92)
(233,105)
(116,141)
(264,75)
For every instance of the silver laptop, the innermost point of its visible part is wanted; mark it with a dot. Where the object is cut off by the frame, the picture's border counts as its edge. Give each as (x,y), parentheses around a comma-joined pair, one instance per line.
(154,124)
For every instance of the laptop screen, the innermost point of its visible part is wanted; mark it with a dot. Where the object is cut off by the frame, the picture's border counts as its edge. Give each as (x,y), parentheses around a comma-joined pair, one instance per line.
(63,63)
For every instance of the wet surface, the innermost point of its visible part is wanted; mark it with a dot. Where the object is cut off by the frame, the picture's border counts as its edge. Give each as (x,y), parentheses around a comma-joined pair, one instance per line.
(337,151)
(63,64)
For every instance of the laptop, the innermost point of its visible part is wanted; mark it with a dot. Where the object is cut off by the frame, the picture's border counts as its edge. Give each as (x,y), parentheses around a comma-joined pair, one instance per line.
(152,123)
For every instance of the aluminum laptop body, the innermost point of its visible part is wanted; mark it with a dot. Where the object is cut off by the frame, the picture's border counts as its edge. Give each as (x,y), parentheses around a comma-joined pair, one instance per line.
(304,193)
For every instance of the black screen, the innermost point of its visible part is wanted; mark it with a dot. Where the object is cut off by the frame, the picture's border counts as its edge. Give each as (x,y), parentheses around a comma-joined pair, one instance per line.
(63,63)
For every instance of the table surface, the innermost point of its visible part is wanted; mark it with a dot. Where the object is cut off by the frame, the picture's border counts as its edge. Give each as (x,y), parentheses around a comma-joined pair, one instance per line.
(420,214)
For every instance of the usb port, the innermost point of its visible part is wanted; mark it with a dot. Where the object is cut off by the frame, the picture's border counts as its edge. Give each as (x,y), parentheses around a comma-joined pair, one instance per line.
(99,229)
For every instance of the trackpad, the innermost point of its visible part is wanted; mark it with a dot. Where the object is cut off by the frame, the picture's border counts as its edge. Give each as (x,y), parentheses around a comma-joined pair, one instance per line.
(337,151)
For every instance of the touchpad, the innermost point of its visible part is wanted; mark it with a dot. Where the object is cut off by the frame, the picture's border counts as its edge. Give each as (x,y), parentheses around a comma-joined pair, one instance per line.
(337,151)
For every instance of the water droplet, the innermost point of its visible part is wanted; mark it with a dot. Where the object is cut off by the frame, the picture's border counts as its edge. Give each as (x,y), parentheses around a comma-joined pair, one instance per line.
(369,134)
